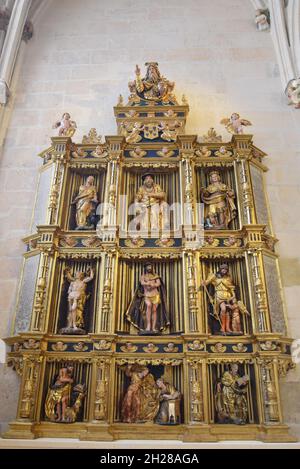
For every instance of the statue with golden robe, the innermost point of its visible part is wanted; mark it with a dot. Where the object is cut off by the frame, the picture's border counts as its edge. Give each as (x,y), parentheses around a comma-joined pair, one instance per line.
(151,207)
(58,400)
(219,208)
(77,297)
(153,87)
(148,310)
(141,400)
(86,202)
(231,397)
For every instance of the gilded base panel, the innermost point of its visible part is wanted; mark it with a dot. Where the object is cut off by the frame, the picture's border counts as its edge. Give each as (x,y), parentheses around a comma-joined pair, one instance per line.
(278,433)
(97,432)
(123,431)
(119,431)
(20,430)
(199,433)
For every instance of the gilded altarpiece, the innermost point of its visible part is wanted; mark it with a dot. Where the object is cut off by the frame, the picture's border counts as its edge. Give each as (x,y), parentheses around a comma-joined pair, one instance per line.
(150,303)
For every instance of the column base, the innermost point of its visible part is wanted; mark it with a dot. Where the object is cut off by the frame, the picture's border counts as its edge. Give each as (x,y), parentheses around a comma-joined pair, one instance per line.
(199,433)
(97,432)
(20,430)
(277,433)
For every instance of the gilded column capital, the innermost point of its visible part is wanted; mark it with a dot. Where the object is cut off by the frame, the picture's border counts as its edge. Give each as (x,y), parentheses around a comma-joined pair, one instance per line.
(60,150)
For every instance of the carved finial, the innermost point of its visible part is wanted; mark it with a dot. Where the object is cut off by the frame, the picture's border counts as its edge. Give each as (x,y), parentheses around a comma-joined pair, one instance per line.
(184,100)
(120,101)
(92,137)
(211,136)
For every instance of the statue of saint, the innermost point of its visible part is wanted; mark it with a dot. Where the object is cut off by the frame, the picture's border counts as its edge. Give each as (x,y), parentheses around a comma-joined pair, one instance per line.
(141,401)
(224,294)
(230,398)
(148,308)
(152,209)
(220,209)
(169,409)
(86,202)
(153,87)
(77,297)
(57,405)
(237,308)
(59,395)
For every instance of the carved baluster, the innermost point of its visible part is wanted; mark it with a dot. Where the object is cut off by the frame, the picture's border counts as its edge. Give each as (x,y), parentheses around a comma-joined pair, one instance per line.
(109,224)
(259,292)
(101,392)
(196,392)
(192,292)
(29,387)
(59,155)
(271,400)
(106,308)
(40,303)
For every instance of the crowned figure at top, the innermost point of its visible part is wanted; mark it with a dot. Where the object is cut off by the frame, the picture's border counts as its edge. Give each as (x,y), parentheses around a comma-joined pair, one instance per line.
(153,87)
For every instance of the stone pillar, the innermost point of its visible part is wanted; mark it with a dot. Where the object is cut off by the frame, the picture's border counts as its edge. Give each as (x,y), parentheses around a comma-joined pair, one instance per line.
(11,46)
(280,37)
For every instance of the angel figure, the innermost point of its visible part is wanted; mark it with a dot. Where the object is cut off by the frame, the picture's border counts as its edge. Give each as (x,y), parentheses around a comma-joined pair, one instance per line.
(137,152)
(262,19)
(169,131)
(223,152)
(77,152)
(66,127)
(170,113)
(293,92)
(132,132)
(235,124)
(99,152)
(165,152)
(203,152)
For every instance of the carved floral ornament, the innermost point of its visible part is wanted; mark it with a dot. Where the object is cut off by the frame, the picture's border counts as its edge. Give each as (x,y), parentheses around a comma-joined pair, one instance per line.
(150,361)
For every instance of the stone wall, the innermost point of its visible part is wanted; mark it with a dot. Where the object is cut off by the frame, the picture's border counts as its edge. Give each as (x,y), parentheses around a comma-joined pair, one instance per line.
(80,60)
